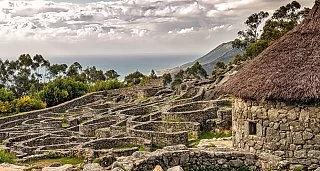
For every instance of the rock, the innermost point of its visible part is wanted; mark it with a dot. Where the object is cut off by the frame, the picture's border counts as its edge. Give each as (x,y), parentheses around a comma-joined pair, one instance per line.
(300,154)
(56,164)
(115,165)
(12,167)
(158,168)
(117,169)
(92,167)
(66,167)
(106,161)
(176,147)
(307,135)
(176,168)
(318,169)
(140,154)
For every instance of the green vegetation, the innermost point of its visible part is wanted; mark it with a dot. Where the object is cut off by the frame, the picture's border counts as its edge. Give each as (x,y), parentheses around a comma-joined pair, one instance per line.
(8,103)
(206,134)
(298,168)
(96,160)
(195,71)
(166,78)
(155,147)
(134,78)
(61,90)
(31,83)
(83,121)
(253,41)
(106,85)
(283,20)
(63,160)
(6,157)
(153,75)
(65,125)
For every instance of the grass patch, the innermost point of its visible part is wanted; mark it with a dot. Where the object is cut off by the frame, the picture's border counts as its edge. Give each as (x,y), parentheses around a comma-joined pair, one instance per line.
(206,134)
(226,106)
(142,99)
(6,157)
(59,116)
(83,121)
(65,125)
(155,147)
(62,160)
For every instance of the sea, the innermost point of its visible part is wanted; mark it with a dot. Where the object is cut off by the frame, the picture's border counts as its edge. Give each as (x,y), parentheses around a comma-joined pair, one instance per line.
(125,64)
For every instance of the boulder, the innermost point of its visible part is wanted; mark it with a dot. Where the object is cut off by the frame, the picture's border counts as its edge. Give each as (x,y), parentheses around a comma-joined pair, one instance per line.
(92,167)
(117,169)
(176,168)
(106,161)
(158,168)
(56,164)
(12,167)
(176,147)
(66,167)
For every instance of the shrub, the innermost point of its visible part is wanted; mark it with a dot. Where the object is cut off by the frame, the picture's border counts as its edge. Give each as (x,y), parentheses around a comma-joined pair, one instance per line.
(6,95)
(106,85)
(61,90)
(26,103)
(6,157)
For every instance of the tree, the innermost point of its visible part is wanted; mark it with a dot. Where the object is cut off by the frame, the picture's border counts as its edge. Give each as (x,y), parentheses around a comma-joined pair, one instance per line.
(111,74)
(283,20)
(196,71)
(166,78)
(74,69)
(252,33)
(220,65)
(93,75)
(179,75)
(134,78)
(153,74)
(56,70)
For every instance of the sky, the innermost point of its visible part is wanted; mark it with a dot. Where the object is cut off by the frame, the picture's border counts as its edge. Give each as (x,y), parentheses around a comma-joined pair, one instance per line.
(93,27)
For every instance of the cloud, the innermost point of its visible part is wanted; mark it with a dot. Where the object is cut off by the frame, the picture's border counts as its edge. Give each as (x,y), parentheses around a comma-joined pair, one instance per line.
(171,25)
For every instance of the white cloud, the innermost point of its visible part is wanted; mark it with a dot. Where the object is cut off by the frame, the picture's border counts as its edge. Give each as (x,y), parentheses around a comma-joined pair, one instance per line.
(163,24)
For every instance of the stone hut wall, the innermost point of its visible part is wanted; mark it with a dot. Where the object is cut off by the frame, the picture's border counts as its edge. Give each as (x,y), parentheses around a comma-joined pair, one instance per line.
(291,131)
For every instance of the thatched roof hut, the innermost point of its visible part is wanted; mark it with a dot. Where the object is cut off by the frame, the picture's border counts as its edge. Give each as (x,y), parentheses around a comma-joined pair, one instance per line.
(289,70)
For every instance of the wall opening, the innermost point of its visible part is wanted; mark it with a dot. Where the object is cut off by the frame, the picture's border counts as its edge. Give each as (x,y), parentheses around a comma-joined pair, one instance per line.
(252,128)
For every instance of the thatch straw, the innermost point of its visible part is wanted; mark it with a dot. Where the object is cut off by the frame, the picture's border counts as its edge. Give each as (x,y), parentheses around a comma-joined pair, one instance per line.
(289,70)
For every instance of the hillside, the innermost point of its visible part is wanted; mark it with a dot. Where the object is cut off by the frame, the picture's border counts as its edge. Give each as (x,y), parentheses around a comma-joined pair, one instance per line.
(224,52)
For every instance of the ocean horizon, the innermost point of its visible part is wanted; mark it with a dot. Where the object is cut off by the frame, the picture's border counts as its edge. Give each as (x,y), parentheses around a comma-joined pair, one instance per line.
(125,64)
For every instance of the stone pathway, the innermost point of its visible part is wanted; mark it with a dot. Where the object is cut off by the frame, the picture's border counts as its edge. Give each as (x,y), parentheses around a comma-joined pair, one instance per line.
(216,142)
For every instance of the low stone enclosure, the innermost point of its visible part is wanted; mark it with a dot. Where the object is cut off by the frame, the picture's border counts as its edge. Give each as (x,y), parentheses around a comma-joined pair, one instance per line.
(99,125)
(200,159)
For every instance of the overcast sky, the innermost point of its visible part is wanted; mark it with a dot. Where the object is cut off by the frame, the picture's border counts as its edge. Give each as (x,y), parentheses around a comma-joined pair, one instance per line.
(73,27)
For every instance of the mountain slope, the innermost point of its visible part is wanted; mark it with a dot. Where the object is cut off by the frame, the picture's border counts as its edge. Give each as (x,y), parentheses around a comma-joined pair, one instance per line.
(224,52)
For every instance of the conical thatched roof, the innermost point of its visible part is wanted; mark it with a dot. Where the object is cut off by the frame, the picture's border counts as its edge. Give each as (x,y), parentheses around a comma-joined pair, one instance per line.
(289,70)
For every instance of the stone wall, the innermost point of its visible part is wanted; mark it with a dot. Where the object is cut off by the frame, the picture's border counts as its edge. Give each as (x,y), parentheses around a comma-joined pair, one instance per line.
(59,108)
(200,159)
(291,131)
(165,133)
(114,143)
